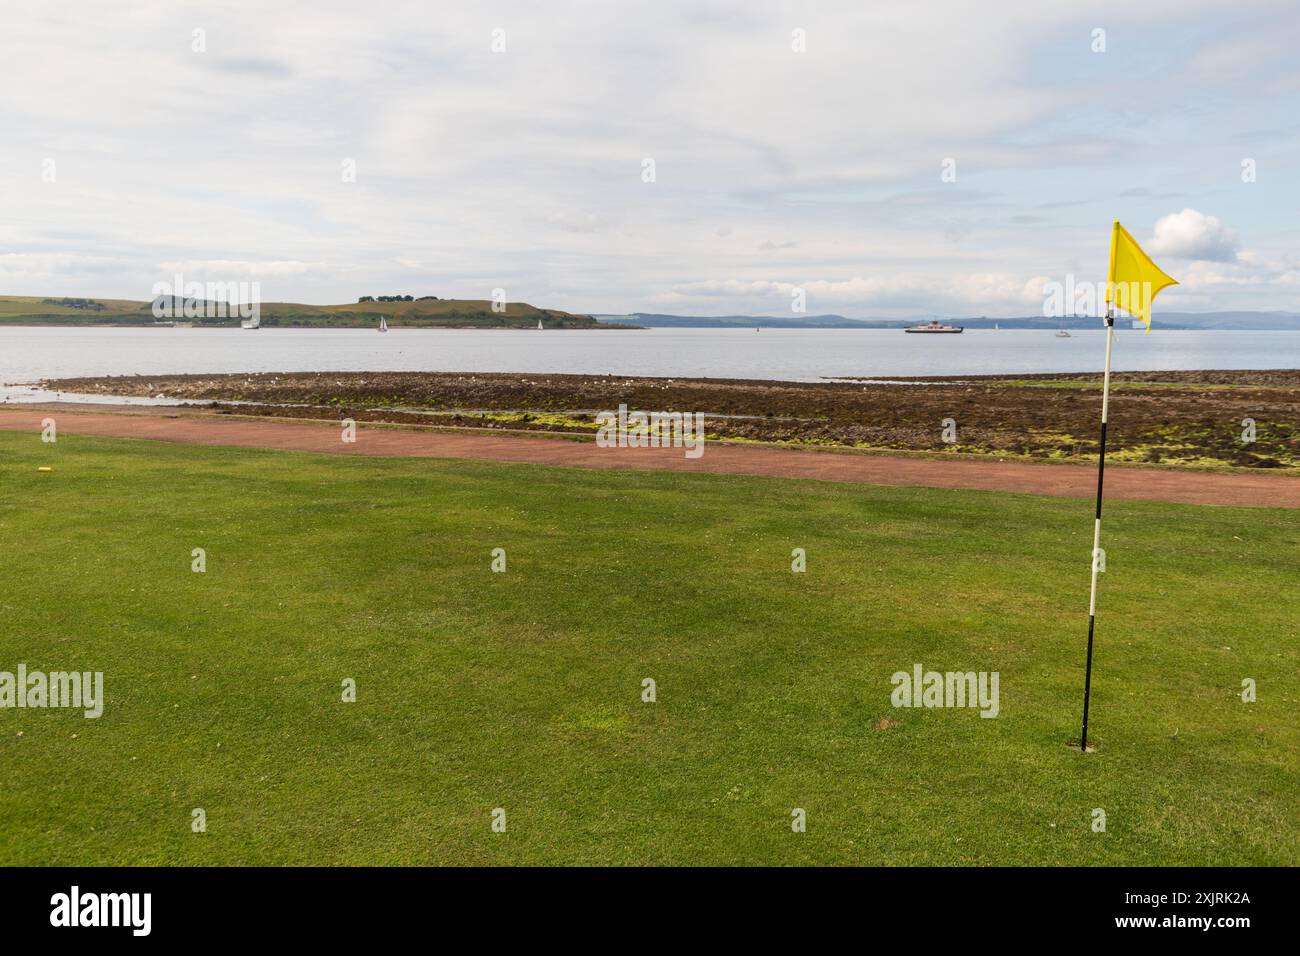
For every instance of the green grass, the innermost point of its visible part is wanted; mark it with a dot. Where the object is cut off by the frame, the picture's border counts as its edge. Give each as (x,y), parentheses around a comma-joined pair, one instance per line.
(522,690)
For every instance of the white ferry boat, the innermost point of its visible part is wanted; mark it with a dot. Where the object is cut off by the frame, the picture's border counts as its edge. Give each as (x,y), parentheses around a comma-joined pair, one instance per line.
(935,326)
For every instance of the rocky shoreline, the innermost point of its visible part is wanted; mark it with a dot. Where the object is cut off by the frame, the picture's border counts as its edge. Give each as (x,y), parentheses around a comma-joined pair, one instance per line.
(1199,419)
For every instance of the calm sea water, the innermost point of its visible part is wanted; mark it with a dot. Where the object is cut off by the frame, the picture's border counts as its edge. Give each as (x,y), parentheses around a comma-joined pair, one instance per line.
(29,354)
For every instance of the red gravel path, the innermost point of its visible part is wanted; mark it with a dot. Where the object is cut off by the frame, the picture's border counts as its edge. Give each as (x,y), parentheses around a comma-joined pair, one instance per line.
(199,427)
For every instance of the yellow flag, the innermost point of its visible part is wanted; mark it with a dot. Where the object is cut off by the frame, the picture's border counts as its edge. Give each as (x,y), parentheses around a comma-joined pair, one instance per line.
(1134,279)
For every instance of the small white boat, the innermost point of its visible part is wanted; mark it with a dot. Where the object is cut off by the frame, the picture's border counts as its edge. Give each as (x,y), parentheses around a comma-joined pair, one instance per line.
(383,324)
(253,323)
(539,325)
(1062,334)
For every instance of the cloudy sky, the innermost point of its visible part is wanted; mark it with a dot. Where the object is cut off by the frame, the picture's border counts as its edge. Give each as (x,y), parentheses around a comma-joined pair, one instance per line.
(774,168)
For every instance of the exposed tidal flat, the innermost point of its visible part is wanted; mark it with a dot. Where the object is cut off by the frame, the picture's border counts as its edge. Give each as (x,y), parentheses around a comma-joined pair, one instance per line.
(1207,419)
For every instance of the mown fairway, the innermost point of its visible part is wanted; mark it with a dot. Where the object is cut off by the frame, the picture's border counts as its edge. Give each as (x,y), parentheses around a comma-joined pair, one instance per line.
(522,690)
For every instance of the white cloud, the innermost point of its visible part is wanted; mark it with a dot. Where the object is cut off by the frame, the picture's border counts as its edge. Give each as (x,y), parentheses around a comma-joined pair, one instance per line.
(523,169)
(57,268)
(1193,235)
(224,269)
(861,294)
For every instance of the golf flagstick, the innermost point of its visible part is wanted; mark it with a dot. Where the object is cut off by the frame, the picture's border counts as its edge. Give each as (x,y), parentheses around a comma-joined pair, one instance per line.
(1131,284)
(1096,528)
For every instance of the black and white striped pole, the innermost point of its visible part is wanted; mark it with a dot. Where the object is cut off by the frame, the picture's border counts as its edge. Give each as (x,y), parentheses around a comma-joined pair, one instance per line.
(1096,528)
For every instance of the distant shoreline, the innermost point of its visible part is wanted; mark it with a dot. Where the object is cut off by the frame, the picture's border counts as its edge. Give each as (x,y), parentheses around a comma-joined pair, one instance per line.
(227,309)
(200,327)
(314,327)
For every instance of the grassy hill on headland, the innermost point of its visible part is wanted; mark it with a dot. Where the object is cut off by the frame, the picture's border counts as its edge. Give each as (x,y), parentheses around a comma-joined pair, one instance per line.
(420,313)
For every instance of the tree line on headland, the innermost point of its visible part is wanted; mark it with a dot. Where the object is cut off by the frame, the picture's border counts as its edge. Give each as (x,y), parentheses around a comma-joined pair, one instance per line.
(397,298)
